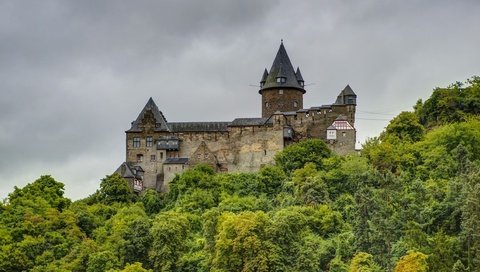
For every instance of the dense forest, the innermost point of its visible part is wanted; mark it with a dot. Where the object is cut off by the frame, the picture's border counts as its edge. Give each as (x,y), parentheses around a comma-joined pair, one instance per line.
(410,201)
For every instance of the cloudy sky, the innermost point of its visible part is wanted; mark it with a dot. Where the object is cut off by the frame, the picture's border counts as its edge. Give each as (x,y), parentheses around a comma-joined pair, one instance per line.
(74,74)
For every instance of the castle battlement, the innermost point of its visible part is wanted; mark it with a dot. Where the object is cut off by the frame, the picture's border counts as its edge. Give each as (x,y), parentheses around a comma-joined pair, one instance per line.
(157,150)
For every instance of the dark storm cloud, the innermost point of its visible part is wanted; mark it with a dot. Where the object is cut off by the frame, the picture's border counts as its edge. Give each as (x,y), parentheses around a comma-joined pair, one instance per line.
(74,74)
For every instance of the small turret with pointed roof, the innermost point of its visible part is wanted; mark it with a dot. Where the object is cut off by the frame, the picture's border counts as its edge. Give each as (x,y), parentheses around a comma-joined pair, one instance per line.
(264,78)
(346,97)
(299,77)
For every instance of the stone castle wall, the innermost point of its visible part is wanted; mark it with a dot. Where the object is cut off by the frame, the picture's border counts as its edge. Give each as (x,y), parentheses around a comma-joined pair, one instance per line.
(240,149)
(281,100)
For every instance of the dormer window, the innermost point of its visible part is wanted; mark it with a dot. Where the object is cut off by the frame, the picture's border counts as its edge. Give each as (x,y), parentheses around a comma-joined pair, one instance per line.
(281,79)
(301,83)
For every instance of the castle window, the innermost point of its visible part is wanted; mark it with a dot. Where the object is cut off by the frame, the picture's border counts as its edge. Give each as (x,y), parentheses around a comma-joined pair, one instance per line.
(344,134)
(161,155)
(139,157)
(136,142)
(153,158)
(281,79)
(149,141)
(280,91)
(267,105)
(295,104)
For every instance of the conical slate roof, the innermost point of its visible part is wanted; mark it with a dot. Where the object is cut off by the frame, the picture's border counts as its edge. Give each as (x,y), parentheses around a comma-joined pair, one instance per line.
(160,121)
(282,67)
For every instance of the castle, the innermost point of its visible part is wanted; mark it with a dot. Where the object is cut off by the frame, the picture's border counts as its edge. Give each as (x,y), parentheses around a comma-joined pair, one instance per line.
(157,150)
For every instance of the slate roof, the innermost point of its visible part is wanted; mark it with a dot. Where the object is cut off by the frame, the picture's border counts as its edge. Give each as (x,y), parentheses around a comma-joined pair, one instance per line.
(176,161)
(161,122)
(169,143)
(299,74)
(282,67)
(240,122)
(341,98)
(197,126)
(264,77)
(129,170)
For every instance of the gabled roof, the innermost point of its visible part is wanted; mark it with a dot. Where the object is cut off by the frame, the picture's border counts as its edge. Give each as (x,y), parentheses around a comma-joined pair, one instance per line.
(160,121)
(282,67)
(340,123)
(129,170)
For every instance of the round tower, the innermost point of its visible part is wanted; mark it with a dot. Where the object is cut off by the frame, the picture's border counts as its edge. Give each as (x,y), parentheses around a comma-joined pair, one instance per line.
(282,88)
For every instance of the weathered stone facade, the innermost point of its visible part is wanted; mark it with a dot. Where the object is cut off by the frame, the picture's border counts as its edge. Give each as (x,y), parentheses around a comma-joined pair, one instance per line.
(163,149)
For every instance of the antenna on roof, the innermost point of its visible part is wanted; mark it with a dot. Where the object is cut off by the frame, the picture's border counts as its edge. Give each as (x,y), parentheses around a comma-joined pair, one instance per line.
(309,84)
(251,85)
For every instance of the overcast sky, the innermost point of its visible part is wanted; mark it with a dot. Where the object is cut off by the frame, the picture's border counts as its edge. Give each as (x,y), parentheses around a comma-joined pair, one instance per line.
(74,74)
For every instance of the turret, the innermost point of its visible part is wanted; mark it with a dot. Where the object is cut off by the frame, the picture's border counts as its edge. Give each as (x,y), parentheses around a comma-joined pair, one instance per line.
(282,88)
(346,97)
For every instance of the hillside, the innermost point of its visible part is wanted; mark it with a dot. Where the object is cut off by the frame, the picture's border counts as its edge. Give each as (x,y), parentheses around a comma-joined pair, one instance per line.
(409,202)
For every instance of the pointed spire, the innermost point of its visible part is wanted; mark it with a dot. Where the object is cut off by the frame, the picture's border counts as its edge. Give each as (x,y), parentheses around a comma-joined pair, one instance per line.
(282,68)
(348,91)
(299,74)
(160,121)
(264,77)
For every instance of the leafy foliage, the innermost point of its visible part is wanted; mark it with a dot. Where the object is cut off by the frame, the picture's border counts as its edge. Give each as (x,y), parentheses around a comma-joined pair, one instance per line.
(409,202)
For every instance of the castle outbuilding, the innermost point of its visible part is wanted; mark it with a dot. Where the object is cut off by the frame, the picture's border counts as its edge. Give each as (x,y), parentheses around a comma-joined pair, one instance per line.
(157,150)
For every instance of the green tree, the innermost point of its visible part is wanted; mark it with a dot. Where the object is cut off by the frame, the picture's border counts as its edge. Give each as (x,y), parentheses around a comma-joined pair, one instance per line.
(114,188)
(102,261)
(412,262)
(46,188)
(404,127)
(295,156)
(169,232)
(242,243)
(459,267)
(363,262)
(152,201)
